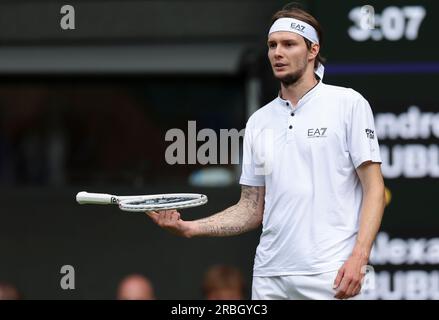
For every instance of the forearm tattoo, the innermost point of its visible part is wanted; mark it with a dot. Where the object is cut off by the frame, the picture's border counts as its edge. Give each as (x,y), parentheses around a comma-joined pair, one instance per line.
(242,217)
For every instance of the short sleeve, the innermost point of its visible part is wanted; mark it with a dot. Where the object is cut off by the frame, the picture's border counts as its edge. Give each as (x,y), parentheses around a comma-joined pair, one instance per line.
(249,175)
(362,140)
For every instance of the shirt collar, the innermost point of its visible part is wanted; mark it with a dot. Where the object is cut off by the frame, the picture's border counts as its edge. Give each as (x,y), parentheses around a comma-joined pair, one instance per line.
(289,106)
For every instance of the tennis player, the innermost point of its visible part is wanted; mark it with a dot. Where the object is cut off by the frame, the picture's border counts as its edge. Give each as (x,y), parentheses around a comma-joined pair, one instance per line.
(322,198)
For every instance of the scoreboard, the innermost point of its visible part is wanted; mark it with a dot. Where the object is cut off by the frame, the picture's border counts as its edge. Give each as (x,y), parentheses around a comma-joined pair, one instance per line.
(379,31)
(389,52)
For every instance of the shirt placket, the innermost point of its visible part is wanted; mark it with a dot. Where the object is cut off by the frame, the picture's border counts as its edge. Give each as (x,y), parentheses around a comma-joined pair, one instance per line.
(291,123)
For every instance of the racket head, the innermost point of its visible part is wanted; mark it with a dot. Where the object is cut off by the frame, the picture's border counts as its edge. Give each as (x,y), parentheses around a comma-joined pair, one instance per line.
(158,202)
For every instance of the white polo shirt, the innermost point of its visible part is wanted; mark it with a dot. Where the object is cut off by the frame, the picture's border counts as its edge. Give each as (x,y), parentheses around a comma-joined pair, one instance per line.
(306,157)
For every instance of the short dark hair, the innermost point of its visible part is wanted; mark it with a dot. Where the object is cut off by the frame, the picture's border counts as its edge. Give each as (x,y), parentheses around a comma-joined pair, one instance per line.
(295,10)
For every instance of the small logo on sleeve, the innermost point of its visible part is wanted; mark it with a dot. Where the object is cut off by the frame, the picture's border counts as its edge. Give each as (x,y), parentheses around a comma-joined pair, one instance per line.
(317,133)
(370,134)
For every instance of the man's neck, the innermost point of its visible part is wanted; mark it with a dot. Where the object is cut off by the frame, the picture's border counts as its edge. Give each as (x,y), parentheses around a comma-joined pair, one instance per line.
(296,91)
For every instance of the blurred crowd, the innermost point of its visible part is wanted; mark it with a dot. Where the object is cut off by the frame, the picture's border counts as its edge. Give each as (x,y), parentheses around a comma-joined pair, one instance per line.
(220,282)
(55,136)
(9,292)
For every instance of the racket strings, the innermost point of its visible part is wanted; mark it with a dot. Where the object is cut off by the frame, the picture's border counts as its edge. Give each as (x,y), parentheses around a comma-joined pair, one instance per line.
(162,203)
(158,201)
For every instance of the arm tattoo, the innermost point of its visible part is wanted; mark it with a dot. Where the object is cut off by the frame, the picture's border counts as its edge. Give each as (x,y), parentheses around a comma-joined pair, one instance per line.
(242,217)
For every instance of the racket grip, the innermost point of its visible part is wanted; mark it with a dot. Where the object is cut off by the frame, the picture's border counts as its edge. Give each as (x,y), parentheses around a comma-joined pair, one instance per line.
(95,198)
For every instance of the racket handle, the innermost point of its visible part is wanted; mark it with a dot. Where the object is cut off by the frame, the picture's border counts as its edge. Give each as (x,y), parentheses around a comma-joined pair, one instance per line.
(95,198)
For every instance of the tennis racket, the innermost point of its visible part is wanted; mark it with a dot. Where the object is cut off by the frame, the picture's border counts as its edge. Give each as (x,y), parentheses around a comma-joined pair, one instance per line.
(143,203)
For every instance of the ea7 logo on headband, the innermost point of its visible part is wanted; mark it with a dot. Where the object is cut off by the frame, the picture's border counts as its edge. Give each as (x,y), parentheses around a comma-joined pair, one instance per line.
(298,27)
(370,134)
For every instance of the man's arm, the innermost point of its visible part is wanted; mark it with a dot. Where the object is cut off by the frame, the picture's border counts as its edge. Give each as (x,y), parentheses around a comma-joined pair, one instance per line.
(242,217)
(372,208)
(350,275)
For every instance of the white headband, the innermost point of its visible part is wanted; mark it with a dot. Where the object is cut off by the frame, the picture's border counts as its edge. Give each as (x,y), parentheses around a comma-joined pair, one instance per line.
(301,28)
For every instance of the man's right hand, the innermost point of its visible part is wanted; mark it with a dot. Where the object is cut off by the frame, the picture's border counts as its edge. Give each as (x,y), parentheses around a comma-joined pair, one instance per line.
(244,216)
(170,220)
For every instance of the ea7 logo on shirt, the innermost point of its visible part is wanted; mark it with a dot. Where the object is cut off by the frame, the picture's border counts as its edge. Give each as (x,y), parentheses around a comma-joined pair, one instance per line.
(317,133)
(298,27)
(370,134)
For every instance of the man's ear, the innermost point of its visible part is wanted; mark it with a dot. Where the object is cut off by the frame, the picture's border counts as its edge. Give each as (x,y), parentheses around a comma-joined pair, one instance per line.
(314,50)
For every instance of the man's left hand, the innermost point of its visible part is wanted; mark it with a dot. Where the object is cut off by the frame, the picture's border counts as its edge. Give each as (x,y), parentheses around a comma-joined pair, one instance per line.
(349,278)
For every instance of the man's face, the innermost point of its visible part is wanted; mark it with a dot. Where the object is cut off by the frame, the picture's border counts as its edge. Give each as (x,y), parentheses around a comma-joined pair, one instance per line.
(288,55)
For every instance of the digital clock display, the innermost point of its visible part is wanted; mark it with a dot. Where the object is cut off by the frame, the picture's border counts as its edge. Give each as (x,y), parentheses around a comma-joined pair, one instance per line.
(393,24)
(379,31)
